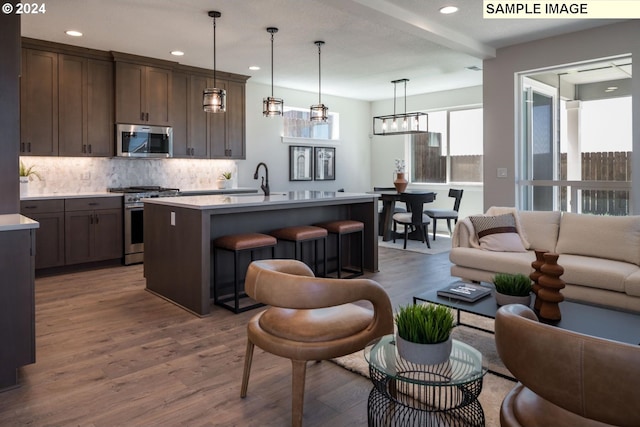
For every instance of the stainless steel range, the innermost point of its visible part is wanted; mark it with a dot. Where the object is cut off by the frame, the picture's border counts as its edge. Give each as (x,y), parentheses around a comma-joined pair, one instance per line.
(134,217)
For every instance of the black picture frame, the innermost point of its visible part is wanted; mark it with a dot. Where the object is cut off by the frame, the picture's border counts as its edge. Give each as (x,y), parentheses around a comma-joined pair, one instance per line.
(300,163)
(324,163)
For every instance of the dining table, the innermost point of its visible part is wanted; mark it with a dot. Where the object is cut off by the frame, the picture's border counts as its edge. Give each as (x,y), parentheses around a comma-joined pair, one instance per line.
(389,199)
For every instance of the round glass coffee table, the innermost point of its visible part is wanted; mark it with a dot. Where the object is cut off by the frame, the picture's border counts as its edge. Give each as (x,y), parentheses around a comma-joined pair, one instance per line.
(407,394)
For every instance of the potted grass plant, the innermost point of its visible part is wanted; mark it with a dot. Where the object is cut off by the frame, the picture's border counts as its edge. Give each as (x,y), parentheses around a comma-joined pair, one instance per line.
(26,174)
(224,180)
(424,333)
(512,289)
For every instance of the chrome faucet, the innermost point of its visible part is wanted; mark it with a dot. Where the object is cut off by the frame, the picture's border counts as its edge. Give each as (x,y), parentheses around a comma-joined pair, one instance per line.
(264,186)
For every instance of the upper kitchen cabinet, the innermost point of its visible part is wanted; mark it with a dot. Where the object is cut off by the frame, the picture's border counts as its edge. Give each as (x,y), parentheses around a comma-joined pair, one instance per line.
(85,106)
(227,130)
(143,91)
(39,103)
(209,135)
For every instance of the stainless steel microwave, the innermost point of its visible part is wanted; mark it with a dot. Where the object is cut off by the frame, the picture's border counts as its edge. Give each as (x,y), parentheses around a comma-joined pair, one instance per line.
(144,141)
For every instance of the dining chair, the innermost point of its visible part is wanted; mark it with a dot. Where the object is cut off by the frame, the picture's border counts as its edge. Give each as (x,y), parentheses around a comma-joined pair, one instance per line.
(415,217)
(396,209)
(448,214)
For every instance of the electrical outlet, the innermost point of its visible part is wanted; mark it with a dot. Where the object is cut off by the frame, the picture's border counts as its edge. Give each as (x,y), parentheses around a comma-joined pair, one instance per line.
(173,218)
(502,172)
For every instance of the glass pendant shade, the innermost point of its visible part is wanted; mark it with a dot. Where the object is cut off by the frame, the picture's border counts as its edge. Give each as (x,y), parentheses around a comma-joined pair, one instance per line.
(400,124)
(214,100)
(319,112)
(272,107)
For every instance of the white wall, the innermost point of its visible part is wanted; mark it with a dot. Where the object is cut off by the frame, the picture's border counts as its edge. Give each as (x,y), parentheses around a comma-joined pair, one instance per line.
(264,142)
(499,88)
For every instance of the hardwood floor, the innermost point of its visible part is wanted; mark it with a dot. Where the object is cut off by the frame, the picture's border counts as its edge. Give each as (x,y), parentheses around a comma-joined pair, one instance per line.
(109,353)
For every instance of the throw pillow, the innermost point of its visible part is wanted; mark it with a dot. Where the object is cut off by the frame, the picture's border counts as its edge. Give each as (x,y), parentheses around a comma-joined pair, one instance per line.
(497,233)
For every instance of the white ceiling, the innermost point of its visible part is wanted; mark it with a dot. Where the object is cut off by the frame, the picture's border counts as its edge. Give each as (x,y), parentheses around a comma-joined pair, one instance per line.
(368,42)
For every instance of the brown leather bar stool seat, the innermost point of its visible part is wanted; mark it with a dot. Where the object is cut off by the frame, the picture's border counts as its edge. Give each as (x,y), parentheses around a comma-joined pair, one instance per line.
(302,234)
(341,228)
(238,243)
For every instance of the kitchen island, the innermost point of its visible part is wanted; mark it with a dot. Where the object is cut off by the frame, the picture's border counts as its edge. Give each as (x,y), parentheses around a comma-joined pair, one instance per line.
(178,231)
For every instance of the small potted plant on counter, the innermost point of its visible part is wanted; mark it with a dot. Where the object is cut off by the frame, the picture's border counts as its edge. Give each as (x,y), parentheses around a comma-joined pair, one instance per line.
(512,289)
(25,176)
(424,333)
(224,180)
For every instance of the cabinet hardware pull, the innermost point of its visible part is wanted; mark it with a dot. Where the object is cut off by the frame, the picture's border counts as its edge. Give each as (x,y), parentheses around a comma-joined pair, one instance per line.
(22,147)
(97,218)
(30,207)
(84,148)
(29,147)
(94,204)
(91,219)
(147,116)
(141,115)
(89,148)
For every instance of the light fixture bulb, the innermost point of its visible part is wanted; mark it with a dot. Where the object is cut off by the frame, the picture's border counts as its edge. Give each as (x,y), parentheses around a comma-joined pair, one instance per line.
(73,33)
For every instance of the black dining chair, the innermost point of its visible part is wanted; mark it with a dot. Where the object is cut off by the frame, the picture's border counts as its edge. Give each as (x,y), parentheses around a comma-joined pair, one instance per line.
(381,212)
(448,214)
(414,217)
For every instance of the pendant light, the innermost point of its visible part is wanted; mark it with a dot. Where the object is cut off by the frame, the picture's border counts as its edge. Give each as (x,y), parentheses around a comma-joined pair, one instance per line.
(399,124)
(214,100)
(319,111)
(272,107)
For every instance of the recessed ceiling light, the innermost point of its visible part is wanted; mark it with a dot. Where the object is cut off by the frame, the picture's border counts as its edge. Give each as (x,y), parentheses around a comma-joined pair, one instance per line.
(177,53)
(73,33)
(447,10)
(612,88)
(254,68)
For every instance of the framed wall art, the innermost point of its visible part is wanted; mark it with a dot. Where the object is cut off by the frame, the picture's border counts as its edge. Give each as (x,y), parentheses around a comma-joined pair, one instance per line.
(300,163)
(325,163)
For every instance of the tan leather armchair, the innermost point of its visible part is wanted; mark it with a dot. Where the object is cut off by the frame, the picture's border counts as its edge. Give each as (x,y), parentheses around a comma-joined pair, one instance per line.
(565,378)
(310,318)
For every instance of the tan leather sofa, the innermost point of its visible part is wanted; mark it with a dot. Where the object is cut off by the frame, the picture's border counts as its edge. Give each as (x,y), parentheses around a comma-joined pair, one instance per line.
(600,255)
(565,378)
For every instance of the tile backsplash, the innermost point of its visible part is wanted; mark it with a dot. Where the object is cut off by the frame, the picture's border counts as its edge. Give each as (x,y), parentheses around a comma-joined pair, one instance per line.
(95,174)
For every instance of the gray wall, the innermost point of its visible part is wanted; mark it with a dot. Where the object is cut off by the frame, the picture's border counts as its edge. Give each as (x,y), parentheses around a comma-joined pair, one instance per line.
(499,87)
(9,112)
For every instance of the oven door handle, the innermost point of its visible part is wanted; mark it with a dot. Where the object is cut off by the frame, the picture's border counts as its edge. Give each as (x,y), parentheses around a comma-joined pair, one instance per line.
(134,207)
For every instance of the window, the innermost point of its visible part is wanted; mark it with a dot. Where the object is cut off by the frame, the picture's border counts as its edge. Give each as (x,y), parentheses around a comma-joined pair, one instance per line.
(298,125)
(576,138)
(451,151)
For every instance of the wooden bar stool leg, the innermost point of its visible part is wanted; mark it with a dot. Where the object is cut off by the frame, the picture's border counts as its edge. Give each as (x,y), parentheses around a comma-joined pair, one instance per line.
(236,276)
(361,252)
(339,251)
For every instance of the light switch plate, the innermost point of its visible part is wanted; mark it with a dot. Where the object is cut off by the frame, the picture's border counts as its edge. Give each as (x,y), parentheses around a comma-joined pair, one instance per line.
(502,172)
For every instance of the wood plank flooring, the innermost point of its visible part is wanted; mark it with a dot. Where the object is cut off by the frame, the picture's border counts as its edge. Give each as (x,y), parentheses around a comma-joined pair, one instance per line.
(110,353)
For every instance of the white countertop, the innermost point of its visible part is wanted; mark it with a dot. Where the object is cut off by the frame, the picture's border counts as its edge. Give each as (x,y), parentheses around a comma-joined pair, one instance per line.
(49,196)
(12,222)
(242,200)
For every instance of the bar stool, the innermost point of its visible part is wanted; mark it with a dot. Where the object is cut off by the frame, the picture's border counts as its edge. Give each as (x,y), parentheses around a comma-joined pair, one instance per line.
(302,234)
(238,243)
(342,228)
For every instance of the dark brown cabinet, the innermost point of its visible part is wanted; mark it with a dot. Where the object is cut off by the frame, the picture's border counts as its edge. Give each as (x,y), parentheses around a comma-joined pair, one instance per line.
(85,106)
(39,103)
(17,304)
(227,130)
(143,94)
(93,229)
(50,234)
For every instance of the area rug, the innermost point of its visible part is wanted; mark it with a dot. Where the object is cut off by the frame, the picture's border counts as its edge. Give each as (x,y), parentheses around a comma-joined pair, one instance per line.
(494,387)
(441,244)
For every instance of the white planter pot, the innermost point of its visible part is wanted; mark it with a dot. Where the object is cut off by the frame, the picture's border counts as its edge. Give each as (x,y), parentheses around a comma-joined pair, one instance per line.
(424,354)
(503,299)
(24,186)
(223,183)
